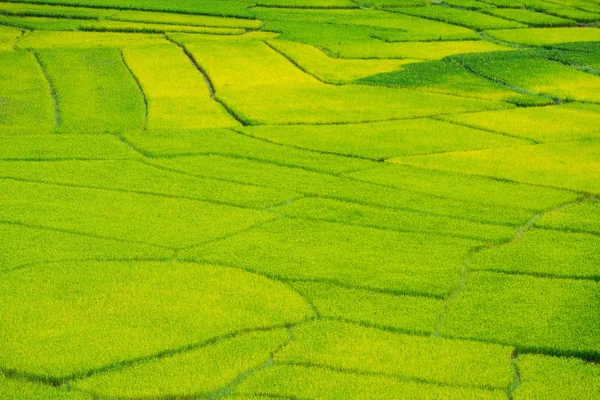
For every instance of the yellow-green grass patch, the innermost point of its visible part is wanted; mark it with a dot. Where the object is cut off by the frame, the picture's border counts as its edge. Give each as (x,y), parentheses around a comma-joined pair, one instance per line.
(288,95)
(544,253)
(467,188)
(554,316)
(356,348)
(95,91)
(26,104)
(333,70)
(197,373)
(177,94)
(145,27)
(469,19)
(52,39)
(554,378)
(584,217)
(41,23)
(8,37)
(298,382)
(569,165)
(383,140)
(570,121)
(20,389)
(139,218)
(226,142)
(530,18)
(384,310)
(62,320)
(23,246)
(347,189)
(349,255)
(184,19)
(546,36)
(59,11)
(136,177)
(396,220)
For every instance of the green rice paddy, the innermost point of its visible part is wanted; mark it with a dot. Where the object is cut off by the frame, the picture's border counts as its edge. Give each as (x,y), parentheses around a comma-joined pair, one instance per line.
(299,199)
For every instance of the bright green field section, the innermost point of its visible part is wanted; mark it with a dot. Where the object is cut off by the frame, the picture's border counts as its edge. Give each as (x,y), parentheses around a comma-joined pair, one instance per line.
(577,378)
(130,310)
(299,199)
(21,113)
(175,90)
(95,91)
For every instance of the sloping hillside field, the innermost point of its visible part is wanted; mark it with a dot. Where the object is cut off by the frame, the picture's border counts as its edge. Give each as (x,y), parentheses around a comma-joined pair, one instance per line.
(299,199)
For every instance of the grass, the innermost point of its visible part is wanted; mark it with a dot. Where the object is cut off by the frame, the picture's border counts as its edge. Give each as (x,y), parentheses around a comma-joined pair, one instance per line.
(198,373)
(584,217)
(566,122)
(446,78)
(137,178)
(382,140)
(396,220)
(21,75)
(260,71)
(105,98)
(58,316)
(353,256)
(139,218)
(294,381)
(553,316)
(578,379)
(466,18)
(349,347)
(544,253)
(365,307)
(298,199)
(546,36)
(568,165)
(177,95)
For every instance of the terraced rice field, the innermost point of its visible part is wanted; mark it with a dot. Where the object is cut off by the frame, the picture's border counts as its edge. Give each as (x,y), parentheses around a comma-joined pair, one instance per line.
(299,199)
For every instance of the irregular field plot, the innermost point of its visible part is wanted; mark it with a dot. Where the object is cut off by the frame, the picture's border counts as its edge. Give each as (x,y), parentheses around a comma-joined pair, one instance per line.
(369,258)
(64,319)
(546,36)
(584,217)
(557,316)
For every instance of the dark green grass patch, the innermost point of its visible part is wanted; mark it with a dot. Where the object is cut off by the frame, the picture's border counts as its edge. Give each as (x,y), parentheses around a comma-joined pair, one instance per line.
(58,147)
(531,18)
(401,221)
(20,110)
(64,319)
(140,218)
(530,71)
(352,347)
(569,165)
(26,246)
(444,77)
(19,389)
(570,121)
(354,256)
(552,378)
(384,310)
(136,177)
(95,91)
(583,217)
(295,382)
(383,139)
(197,373)
(555,316)
(545,253)
(469,19)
